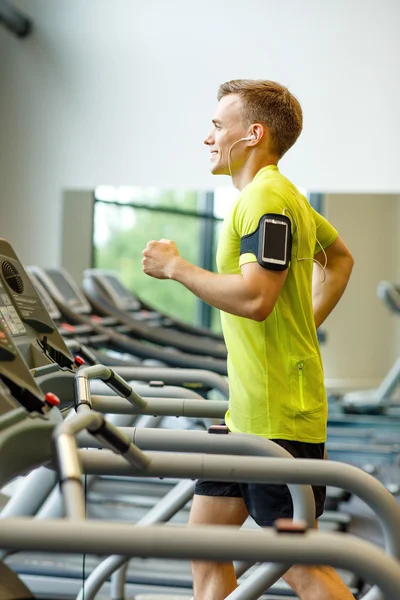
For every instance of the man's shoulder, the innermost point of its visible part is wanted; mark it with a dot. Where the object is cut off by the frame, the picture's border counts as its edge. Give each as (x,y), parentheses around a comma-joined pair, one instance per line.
(272,182)
(268,193)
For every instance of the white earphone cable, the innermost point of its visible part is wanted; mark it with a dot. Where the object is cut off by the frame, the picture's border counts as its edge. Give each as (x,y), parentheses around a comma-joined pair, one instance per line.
(323,273)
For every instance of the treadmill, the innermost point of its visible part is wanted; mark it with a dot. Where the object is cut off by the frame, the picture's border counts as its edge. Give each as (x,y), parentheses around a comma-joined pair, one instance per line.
(27,420)
(106,288)
(29,345)
(76,311)
(81,340)
(27,323)
(120,304)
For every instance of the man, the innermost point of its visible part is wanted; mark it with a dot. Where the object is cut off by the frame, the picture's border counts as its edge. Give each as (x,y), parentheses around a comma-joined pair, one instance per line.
(270,308)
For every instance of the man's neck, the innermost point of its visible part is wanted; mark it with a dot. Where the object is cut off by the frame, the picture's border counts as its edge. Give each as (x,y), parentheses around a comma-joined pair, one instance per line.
(250,170)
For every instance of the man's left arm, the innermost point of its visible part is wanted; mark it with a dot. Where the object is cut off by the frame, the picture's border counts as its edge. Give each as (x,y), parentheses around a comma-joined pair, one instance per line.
(251,294)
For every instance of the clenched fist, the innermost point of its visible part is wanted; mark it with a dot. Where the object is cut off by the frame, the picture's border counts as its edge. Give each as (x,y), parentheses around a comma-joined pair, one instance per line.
(159,258)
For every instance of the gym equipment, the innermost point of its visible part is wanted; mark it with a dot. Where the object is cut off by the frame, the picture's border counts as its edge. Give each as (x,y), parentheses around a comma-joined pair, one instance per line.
(65,287)
(105,288)
(152,332)
(81,339)
(33,332)
(27,420)
(117,383)
(76,310)
(22,528)
(89,461)
(179,442)
(185,441)
(90,420)
(241,444)
(120,386)
(160,334)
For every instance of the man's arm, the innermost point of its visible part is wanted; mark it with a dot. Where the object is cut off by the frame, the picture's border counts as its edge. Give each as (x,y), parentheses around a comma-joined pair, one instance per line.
(338,269)
(251,294)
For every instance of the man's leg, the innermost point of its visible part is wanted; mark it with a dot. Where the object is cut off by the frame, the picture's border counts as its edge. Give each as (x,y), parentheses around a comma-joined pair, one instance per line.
(317,583)
(215,581)
(266,503)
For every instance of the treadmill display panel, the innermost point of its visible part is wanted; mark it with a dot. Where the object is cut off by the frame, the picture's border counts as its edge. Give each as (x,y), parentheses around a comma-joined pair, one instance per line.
(122,292)
(45,298)
(64,288)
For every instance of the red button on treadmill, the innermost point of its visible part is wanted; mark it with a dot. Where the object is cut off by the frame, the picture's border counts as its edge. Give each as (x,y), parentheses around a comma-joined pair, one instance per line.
(52,399)
(79,360)
(67,327)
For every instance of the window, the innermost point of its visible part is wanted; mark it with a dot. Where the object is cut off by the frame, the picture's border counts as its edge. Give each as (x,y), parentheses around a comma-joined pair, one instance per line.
(126,218)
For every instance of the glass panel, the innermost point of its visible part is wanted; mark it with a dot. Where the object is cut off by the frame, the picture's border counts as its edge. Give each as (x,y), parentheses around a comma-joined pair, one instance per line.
(120,235)
(188,200)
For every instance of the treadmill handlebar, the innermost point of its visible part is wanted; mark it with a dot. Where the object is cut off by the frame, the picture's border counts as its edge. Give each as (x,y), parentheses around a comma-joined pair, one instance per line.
(118,384)
(114,381)
(113,438)
(68,461)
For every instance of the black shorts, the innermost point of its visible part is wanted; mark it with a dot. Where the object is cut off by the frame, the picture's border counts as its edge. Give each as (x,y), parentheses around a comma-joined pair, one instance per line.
(267,502)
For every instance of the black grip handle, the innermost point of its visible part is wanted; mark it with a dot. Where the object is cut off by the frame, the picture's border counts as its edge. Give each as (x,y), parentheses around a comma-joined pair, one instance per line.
(110,434)
(118,384)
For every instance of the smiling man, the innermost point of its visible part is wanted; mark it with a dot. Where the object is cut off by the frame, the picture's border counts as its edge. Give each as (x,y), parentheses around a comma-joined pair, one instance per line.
(282,268)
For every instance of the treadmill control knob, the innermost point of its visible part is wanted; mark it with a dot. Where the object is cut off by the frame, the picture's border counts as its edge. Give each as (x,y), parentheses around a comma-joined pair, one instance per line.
(51,399)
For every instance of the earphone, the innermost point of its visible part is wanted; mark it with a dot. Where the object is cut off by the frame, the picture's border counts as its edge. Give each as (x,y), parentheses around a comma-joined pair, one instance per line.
(244,139)
(251,137)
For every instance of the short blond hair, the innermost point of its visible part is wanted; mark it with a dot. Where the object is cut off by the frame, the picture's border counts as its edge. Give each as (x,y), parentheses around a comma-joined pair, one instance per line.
(272,105)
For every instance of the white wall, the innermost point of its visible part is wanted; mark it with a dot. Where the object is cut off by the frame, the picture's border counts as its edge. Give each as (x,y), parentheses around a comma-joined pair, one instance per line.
(122,92)
(361,341)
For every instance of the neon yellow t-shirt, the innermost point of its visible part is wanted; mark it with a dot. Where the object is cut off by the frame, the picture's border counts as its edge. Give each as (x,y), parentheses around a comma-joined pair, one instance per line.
(275,370)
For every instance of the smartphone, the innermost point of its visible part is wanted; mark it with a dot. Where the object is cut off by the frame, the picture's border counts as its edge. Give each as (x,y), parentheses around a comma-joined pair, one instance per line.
(275,235)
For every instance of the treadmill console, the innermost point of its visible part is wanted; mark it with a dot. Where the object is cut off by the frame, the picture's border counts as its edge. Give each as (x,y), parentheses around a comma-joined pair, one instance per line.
(44,296)
(17,379)
(63,289)
(112,288)
(24,317)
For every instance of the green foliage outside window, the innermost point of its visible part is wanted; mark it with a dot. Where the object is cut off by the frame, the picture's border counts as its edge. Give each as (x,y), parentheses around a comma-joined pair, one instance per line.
(129,230)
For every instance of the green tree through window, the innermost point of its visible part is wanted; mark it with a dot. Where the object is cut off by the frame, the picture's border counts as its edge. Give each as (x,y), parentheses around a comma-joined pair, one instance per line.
(122,249)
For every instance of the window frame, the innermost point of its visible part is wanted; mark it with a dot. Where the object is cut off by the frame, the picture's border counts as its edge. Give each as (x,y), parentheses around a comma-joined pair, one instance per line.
(204,311)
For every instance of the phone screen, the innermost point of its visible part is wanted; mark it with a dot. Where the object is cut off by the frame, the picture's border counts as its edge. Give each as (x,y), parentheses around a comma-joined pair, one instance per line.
(275,241)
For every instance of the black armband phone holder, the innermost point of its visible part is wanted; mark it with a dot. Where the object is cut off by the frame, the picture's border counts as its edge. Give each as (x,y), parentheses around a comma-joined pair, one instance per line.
(271,242)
